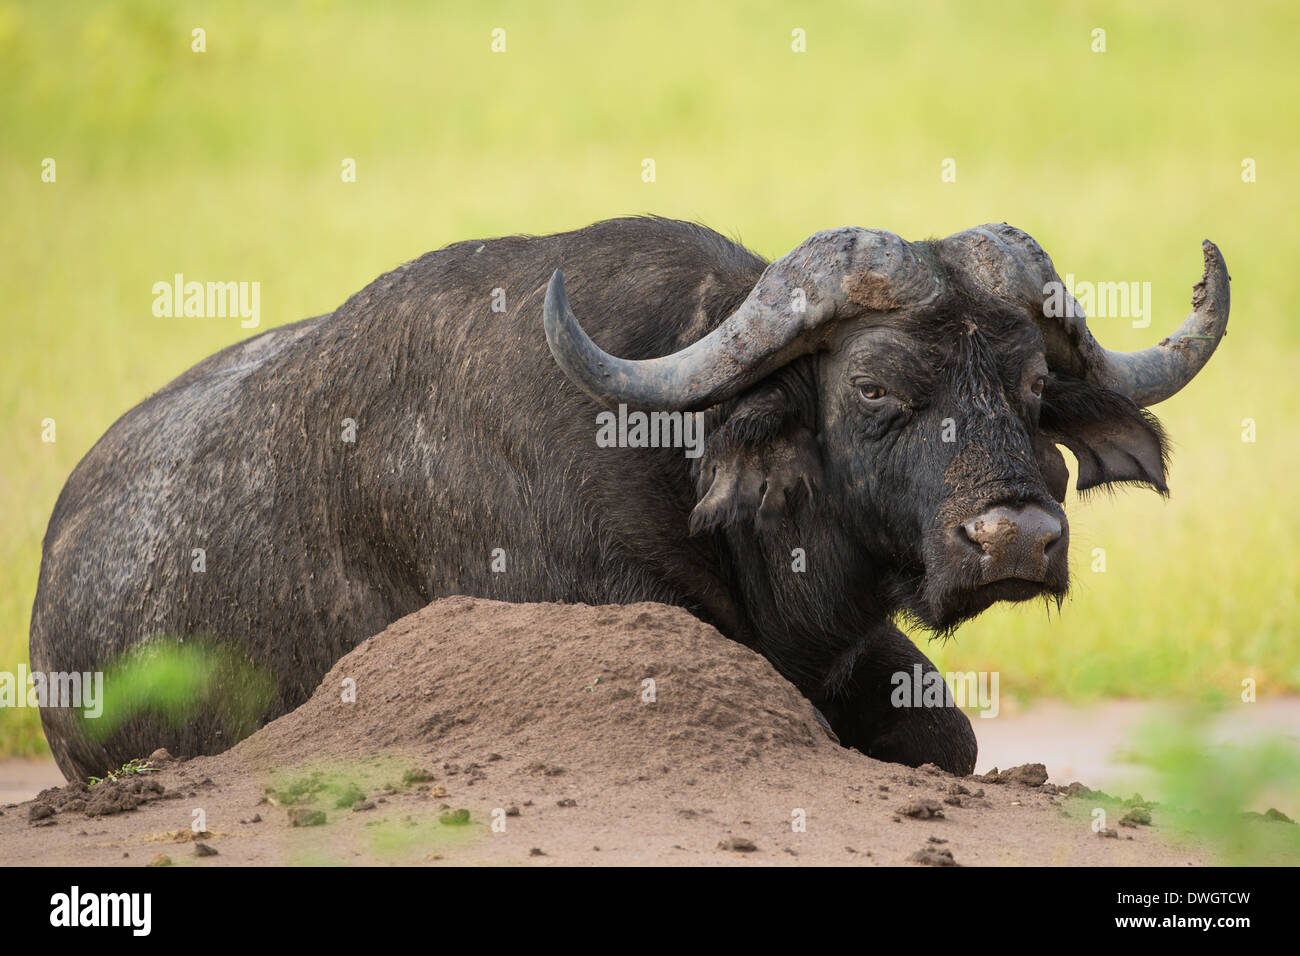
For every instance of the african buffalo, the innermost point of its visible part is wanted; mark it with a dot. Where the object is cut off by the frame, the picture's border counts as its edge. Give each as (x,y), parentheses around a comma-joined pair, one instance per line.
(882,422)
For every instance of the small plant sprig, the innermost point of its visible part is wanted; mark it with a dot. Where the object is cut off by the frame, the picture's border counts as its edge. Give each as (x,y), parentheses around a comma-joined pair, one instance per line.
(131,768)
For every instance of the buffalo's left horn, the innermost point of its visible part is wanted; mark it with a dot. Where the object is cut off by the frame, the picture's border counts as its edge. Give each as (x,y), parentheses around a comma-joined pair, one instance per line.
(1007,263)
(1156,373)
(788,313)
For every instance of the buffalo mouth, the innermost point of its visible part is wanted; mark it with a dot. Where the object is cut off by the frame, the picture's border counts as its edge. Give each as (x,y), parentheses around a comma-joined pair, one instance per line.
(944,609)
(1012,590)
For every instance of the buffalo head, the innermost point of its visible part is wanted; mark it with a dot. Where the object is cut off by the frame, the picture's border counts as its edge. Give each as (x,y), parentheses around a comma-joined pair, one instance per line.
(934,382)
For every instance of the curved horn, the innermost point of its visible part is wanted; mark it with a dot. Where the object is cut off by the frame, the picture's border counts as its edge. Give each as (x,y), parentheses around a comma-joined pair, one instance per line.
(1008,264)
(827,274)
(1158,372)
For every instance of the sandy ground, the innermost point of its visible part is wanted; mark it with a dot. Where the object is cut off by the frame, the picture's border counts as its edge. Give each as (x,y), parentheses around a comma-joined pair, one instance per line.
(1074,742)
(22,778)
(1094,743)
(558,734)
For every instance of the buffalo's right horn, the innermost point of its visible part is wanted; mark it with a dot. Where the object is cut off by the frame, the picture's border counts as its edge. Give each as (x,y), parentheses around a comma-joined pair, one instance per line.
(832,274)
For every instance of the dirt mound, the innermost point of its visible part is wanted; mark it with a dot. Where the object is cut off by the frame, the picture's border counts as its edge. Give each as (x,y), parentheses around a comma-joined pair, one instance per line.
(104,799)
(586,686)
(480,732)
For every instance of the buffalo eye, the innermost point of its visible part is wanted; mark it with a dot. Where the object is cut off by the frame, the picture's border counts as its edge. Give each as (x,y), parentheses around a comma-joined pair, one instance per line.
(871,392)
(1037,387)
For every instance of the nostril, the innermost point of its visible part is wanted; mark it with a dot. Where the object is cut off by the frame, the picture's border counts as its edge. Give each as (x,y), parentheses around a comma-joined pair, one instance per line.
(969,535)
(1040,527)
(989,530)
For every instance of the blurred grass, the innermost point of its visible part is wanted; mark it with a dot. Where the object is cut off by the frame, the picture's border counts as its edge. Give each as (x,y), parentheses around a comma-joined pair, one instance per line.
(225,165)
(1208,786)
(1211,786)
(171,679)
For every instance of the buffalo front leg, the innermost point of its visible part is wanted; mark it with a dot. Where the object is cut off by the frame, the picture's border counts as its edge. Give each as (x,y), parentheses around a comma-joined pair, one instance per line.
(877,705)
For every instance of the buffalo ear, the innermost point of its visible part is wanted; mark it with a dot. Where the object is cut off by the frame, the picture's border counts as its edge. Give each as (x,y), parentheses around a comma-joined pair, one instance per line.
(1113,439)
(761,462)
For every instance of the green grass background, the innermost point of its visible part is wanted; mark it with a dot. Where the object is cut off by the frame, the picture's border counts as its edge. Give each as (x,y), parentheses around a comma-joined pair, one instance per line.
(226,165)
